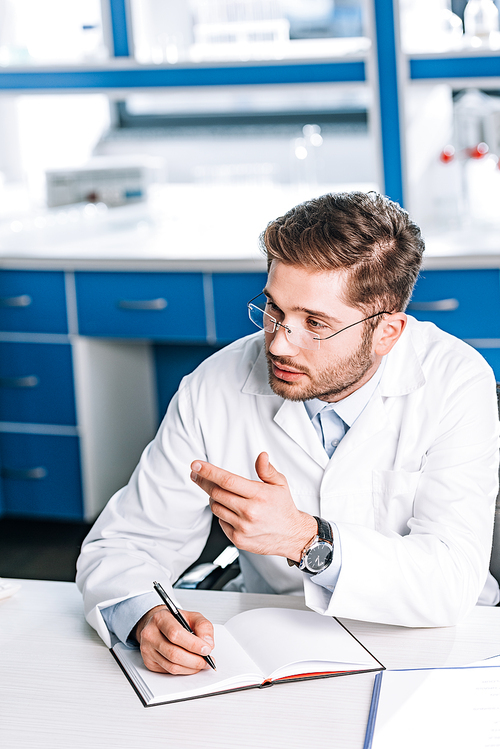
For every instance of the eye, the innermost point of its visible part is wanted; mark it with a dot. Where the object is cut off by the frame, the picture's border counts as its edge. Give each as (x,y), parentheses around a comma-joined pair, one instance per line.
(272,307)
(316,325)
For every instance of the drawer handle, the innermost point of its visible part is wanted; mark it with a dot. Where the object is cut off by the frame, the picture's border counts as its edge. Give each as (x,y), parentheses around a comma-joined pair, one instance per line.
(15,301)
(441,305)
(29,474)
(31,381)
(143,304)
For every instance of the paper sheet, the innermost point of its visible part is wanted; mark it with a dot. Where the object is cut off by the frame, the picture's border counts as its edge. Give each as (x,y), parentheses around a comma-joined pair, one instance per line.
(436,708)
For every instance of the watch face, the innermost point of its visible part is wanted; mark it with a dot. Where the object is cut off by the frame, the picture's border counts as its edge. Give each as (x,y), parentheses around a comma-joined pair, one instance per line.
(319,557)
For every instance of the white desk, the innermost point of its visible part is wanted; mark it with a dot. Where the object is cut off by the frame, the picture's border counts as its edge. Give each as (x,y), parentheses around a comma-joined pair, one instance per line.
(61,689)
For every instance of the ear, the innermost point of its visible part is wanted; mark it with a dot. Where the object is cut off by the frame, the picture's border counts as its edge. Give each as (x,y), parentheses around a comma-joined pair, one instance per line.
(388,333)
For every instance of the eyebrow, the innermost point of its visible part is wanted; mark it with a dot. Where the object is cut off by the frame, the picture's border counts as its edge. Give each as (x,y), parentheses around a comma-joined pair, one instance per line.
(313,313)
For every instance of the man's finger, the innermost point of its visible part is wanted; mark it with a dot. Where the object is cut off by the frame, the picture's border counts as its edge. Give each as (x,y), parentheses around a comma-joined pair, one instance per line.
(221,512)
(176,660)
(267,472)
(180,637)
(202,627)
(225,479)
(219,495)
(155,661)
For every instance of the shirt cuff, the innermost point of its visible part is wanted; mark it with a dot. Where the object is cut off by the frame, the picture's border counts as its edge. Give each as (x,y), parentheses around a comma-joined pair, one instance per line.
(328,579)
(122,617)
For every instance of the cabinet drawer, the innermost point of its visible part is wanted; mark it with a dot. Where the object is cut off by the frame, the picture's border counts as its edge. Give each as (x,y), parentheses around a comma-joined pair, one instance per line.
(232,291)
(40,476)
(465,303)
(36,383)
(161,306)
(33,301)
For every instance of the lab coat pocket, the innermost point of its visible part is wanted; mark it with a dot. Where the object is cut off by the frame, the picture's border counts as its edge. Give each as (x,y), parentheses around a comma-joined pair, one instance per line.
(393,497)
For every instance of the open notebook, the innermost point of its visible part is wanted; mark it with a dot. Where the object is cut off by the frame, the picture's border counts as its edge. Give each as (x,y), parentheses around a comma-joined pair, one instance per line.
(253,649)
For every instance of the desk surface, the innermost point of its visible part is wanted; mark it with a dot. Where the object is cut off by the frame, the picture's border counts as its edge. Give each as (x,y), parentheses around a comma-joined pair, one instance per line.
(61,689)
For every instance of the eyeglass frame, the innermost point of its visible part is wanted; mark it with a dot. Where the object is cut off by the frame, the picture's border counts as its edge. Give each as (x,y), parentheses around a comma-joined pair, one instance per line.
(278,324)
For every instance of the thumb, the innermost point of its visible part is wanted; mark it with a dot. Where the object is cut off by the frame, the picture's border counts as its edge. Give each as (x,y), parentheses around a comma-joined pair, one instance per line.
(267,472)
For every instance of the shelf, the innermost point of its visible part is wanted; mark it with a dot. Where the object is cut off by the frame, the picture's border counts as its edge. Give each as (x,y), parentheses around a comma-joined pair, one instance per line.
(379,68)
(432,67)
(119,76)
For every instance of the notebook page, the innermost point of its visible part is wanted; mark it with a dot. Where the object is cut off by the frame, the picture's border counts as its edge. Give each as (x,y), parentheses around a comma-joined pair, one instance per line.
(276,638)
(234,668)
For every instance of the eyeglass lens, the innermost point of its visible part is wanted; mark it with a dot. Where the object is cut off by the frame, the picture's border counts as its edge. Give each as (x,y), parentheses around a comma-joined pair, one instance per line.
(295,336)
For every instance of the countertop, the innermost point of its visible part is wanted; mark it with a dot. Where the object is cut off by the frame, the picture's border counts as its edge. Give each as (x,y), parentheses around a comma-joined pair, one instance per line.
(195,228)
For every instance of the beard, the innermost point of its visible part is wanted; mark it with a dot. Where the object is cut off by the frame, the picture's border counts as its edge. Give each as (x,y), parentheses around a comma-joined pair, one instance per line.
(331,381)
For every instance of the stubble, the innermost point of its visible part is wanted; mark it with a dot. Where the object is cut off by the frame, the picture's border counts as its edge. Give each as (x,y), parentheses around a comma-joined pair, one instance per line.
(333,380)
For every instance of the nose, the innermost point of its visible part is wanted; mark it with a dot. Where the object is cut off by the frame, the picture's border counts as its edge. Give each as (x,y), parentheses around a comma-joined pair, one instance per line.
(280,345)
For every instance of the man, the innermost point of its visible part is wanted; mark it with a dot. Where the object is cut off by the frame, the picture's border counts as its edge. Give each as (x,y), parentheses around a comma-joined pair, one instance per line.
(349,451)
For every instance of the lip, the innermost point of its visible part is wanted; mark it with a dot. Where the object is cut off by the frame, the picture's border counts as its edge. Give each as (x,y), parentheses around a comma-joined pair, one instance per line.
(286,374)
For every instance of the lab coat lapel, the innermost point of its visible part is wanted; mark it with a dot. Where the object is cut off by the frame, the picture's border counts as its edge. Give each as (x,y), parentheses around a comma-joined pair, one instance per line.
(372,420)
(292,417)
(402,375)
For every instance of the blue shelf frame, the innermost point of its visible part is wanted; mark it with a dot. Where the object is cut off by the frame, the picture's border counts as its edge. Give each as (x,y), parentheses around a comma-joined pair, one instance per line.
(119,27)
(432,68)
(137,77)
(125,74)
(388,95)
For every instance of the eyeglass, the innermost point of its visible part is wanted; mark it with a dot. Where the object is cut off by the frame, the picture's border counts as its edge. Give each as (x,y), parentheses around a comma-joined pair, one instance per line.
(299,337)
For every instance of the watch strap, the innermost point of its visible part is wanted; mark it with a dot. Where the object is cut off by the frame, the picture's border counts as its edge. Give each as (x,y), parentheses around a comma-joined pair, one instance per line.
(325,532)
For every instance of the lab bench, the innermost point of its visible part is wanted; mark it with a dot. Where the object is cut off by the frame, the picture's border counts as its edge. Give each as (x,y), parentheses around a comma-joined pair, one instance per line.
(90,357)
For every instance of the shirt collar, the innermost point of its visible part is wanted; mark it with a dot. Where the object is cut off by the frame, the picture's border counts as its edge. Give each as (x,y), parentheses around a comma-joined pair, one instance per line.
(351,407)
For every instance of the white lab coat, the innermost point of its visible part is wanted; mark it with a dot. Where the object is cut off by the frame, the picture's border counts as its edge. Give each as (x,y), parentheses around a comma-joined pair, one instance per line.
(411,487)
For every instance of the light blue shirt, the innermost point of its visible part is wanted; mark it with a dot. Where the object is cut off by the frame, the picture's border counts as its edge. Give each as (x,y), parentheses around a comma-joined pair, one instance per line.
(331,422)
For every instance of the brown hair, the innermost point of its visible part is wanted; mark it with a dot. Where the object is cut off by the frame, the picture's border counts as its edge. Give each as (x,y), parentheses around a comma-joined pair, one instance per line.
(365,233)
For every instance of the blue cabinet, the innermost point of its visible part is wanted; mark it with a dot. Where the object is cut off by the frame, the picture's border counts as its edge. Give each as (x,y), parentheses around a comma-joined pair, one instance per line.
(160,306)
(41,476)
(36,383)
(231,293)
(33,301)
(39,447)
(465,303)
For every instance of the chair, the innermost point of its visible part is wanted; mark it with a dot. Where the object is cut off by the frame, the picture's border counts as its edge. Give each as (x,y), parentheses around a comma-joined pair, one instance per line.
(212,575)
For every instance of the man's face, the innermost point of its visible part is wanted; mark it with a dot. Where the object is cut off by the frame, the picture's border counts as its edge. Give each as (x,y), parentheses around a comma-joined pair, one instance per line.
(310,299)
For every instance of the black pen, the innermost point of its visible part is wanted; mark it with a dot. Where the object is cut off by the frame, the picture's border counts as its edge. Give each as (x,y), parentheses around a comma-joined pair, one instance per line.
(177,615)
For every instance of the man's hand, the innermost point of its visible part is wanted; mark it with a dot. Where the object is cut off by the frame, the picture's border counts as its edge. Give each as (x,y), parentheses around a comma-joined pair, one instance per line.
(257,516)
(167,647)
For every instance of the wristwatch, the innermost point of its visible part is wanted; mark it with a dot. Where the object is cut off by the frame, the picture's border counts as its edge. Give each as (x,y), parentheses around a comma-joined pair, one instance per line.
(317,555)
